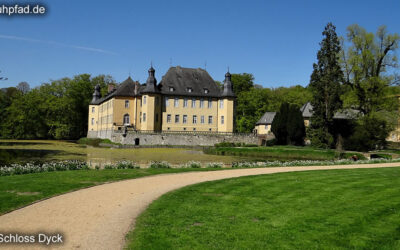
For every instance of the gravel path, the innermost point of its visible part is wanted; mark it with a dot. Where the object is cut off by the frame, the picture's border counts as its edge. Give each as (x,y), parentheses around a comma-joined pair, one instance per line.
(99,217)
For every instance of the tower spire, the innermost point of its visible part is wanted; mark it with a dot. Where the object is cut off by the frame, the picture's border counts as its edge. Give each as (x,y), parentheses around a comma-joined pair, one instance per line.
(228,86)
(151,83)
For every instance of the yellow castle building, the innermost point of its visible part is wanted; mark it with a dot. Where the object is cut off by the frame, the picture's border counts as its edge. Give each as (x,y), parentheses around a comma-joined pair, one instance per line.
(185,100)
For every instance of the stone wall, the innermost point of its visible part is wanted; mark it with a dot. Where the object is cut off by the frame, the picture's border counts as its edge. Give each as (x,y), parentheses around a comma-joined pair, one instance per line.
(172,139)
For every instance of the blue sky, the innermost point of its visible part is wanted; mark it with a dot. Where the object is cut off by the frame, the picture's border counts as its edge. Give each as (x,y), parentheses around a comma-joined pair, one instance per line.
(276,41)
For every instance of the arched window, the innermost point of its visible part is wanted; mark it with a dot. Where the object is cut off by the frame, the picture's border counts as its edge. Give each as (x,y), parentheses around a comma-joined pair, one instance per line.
(126,119)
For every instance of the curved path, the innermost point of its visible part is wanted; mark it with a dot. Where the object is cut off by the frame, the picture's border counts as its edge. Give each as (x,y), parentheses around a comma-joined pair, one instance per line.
(99,217)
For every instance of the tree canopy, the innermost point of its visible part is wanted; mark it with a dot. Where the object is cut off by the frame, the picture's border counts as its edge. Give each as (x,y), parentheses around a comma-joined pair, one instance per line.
(325,85)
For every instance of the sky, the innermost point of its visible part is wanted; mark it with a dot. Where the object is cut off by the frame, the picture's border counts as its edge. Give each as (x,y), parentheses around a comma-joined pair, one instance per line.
(275,40)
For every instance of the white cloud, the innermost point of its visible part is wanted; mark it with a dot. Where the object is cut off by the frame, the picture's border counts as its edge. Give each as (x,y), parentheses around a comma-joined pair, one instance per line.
(56,43)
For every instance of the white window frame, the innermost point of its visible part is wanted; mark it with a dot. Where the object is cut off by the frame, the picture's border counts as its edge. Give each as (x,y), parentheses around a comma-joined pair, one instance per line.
(210,119)
(93,109)
(176,102)
(193,102)
(166,101)
(201,103)
(222,119)
(184,119)
(221,104)
(126,104)
(176,118)
(127,119)
(144,100)
(185,103)
(144,117)
(194,119)
(209,103)
(168,118)
(92,121)
(202,119)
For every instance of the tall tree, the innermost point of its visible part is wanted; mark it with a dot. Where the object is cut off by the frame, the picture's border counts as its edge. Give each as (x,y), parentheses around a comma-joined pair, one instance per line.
(325,86)
(23,87)
(367,64)
(288,125)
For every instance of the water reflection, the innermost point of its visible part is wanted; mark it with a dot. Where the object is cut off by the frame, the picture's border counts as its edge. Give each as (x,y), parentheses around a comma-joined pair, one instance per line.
(8,156)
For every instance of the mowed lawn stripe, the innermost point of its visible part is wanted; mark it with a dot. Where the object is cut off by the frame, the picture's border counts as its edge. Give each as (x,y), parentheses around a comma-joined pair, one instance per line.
(340,209)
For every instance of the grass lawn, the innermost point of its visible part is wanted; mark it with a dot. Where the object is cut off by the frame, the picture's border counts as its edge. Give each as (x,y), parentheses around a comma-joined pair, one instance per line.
(19,190)
(334,209)
(281,152)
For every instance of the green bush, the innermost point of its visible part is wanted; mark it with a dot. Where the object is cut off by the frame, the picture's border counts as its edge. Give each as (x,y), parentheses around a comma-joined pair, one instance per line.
(271,143)
(224,145)
(108,166)
(370,133)
(381,156)
(288,125)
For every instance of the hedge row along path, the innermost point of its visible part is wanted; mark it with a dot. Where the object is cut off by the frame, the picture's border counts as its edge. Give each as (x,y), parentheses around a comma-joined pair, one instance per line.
(99,217)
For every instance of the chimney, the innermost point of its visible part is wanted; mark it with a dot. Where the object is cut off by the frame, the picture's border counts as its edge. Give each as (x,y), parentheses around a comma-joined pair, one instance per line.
(111,87)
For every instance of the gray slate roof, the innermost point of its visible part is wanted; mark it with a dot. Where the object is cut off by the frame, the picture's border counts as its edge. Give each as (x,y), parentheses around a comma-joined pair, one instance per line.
(125,89)
(306,111)
(183,78)
(178,78)
(267,118)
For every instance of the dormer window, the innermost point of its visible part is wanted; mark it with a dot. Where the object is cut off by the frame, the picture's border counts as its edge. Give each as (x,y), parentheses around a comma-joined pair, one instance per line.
(189,90)
(171,89)
(205,91)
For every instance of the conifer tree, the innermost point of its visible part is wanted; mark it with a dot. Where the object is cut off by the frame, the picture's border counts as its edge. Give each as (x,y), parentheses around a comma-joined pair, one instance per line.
(288,125)
(325,85)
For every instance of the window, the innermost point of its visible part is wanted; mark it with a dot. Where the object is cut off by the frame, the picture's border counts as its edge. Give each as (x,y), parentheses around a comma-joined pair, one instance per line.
(126,119)
(205,91)
(201,103)
(92,109)
(189,90)
(144,117)
(184,119)
(202,119)
(92,121)
(176,102)
(193,103)
(144,100)
(209,103)
(194,119)
(184,129)
(185,102)
(209,129)
(171,89)
(194,129)
(210,120)
(266,127)
(166,101)
(221,104)
(222,119)
(176,118)
(126,103)
(168,118)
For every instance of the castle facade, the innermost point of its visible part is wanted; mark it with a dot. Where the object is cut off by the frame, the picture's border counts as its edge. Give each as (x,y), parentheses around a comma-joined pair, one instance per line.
(186,100)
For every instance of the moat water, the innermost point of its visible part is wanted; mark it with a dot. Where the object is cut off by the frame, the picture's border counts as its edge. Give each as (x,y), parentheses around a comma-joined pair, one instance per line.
(21,151)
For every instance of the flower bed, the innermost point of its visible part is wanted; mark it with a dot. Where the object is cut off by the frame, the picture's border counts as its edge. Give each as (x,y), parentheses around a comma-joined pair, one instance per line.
(28,168)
